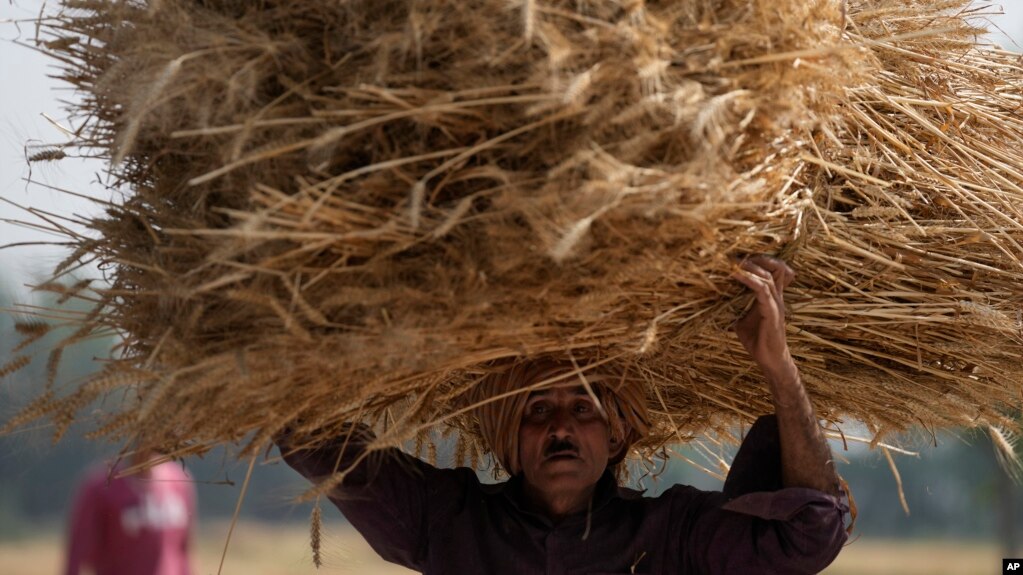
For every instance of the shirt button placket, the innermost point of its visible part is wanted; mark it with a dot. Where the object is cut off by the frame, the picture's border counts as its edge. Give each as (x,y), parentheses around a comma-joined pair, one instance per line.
(555,563)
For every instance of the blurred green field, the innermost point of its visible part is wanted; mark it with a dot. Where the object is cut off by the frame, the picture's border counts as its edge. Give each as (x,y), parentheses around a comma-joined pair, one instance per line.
(283,549)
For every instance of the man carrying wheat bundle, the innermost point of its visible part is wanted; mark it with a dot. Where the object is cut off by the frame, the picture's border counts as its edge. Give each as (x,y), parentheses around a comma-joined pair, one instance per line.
(781,511)
(356,212)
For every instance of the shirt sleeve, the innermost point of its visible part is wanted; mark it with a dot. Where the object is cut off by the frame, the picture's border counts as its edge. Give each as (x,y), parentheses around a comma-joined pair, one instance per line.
(756,526)
(790,531)
(757,465)
(84,529)
(386,495)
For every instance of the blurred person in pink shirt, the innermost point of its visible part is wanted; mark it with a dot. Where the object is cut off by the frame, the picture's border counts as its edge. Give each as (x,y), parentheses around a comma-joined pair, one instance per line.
(138,524)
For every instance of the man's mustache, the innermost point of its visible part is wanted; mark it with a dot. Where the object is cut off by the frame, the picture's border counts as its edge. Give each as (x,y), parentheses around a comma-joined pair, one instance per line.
(557,446)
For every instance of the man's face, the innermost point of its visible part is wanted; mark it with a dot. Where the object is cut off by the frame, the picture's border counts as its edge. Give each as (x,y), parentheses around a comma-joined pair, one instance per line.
(564,442)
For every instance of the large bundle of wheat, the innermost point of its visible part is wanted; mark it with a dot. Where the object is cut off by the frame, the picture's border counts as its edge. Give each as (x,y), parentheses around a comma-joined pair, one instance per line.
(350,210)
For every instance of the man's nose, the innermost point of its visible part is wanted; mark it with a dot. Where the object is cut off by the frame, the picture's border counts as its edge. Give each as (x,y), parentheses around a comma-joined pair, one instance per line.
(562,422)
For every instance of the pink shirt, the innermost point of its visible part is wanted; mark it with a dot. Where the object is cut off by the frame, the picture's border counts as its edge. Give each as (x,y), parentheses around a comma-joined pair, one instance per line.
(135,525)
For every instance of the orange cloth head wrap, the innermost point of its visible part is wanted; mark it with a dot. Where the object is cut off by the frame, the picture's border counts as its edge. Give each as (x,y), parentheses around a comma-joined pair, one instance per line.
(505,393)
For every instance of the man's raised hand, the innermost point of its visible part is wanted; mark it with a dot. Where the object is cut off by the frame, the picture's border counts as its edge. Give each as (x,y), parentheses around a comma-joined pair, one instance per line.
(762,329)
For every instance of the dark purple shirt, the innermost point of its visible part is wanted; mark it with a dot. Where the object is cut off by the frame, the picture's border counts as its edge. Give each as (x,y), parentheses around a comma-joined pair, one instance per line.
(444,521)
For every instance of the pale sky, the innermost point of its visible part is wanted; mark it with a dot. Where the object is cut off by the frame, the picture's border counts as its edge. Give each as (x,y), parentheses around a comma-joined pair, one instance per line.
(27,93)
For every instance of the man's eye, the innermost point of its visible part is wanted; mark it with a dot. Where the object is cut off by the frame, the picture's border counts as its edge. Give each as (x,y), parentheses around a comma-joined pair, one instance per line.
(583,408)
(539,409)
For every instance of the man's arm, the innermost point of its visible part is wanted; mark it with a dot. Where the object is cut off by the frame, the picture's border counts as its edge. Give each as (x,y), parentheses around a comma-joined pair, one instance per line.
(806,459)
(382,495)
(805,456)
(763,523)
(390,497)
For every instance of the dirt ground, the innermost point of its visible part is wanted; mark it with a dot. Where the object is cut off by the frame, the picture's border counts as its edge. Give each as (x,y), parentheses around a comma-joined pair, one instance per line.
(255,549)
(270,549)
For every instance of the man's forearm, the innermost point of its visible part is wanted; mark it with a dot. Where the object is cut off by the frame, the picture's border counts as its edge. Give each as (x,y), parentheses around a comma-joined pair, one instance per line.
(340,455)
(805,456)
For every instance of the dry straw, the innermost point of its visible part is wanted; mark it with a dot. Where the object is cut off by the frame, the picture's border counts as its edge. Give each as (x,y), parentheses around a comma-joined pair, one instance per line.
(338,211)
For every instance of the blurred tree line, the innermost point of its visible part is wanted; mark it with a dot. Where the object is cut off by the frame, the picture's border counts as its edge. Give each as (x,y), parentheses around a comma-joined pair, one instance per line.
(953,490)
